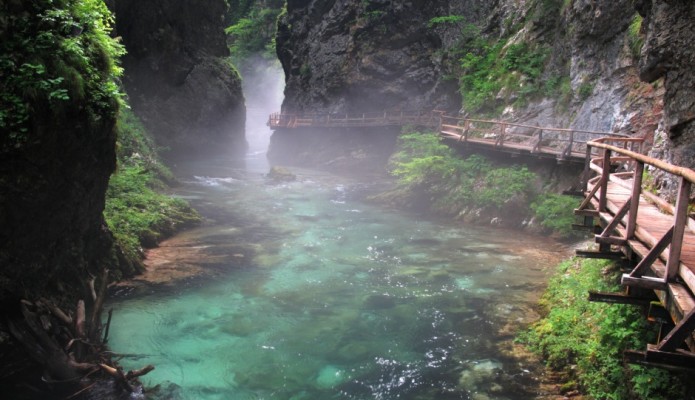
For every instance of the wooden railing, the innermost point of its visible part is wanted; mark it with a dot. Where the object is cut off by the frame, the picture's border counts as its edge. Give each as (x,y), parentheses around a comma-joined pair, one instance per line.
(387,118)
(637,161)
(560,143)
(660,237)
(564,143)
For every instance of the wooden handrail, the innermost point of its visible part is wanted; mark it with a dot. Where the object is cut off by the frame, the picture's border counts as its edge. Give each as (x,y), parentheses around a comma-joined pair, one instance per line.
(683,172)
(610,134)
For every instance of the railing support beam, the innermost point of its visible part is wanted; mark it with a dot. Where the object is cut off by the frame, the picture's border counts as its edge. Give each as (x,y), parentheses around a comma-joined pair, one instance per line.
(605,176)
(634,205)
(681,219)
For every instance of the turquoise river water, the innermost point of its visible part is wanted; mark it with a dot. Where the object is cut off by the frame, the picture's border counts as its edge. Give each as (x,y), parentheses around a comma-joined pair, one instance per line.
(328,297)
(308,292)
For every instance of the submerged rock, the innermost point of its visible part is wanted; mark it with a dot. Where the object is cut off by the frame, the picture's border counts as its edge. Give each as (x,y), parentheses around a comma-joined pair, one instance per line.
(330,376)
(281,174)
(379,302)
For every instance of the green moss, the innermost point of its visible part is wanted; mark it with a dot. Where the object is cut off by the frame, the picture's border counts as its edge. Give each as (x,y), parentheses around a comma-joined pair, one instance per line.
(586,339)
(635,37)
(445,20)
(136,212)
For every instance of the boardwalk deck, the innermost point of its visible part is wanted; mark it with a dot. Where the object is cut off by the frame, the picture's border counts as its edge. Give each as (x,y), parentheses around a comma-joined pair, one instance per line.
(660,245)
(564,145)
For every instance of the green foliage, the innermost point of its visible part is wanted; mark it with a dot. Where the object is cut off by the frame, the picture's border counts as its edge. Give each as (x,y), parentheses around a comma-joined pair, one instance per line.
(253,30)
(585,90)
(635,38)
(444,20)
(488,67)
(135,212)
(556,212)
(586,339)
(59,50)
(424,162)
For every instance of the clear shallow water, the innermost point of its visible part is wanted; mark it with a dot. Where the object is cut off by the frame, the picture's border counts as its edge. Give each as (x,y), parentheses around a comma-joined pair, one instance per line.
(339,299)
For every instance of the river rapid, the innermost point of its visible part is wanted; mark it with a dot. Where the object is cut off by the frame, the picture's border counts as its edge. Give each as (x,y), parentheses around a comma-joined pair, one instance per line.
(304,290)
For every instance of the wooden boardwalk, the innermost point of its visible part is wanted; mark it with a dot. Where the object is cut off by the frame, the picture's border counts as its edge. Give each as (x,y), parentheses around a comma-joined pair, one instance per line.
(365,120)
(564,145)
(655,239)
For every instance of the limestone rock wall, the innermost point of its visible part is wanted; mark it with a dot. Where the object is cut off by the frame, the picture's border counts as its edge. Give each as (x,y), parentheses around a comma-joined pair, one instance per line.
(177,75)
(353,56)
(356,56)
(669,53)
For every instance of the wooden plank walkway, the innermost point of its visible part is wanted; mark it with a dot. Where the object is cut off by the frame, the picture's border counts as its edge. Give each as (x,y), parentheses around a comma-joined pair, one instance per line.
(278,121)
(564,145)
(660,245)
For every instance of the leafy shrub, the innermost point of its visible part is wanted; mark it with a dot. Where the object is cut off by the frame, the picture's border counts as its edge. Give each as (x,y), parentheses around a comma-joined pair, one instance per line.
(58,51)
(556,212)
(253,31)
(586,339)
(489,67)
(423,162)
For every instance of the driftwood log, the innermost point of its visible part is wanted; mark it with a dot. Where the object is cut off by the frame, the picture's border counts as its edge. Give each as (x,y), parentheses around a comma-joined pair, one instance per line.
(72,346)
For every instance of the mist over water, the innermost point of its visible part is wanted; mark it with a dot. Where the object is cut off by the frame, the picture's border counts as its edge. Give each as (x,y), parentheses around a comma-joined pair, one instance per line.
(320,295)
(263,90)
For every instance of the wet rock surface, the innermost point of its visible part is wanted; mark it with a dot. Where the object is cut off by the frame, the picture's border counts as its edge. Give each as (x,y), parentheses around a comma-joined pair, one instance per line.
(669,53)
(177,75)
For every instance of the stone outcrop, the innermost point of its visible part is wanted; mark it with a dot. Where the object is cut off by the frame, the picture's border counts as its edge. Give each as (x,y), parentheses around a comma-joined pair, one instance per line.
(357,56)
(669,53)
(354,56)
(177,74)
(55,163)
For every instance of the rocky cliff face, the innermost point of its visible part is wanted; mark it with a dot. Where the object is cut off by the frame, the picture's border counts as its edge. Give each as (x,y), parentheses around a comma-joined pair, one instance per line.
(177,75)
(356,56)
(57,149)
(353,56)
(669,53)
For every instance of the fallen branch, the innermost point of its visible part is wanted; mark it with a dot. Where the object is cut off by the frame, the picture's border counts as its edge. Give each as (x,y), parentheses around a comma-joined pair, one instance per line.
(70,346)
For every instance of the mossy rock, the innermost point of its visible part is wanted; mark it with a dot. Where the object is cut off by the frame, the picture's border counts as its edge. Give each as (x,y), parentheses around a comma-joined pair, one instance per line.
(281,174)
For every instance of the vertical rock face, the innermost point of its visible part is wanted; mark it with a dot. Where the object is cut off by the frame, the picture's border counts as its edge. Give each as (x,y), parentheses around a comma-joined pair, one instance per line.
(357,56)
(354,56)
(177,75)
(55,163)
(669,52)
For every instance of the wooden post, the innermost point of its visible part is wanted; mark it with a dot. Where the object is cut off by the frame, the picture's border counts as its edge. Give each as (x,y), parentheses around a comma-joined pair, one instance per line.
(681,219)
(569,147)
(466,128)
(605,174)
(503,131)
(634,204)
(587,169)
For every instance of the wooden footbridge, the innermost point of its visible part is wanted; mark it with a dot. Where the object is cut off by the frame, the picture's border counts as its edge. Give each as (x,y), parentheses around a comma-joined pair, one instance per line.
(562,144)
(653,240)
